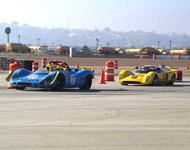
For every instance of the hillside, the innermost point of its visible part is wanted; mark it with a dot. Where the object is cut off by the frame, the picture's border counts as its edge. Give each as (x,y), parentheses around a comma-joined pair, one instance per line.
(80,37)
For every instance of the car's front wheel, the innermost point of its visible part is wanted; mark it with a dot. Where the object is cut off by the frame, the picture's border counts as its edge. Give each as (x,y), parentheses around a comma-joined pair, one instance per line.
(87,84)
(155,80)
(20,88)
(59,83)
(124,84)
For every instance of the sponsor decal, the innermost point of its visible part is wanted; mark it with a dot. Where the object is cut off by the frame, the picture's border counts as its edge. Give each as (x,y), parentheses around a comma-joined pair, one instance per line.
(32,77)
(72,80)
(67,78)
(134,77)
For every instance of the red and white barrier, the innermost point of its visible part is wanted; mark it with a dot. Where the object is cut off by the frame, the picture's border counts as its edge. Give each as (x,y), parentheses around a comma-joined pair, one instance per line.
(44,62)
(109,71)
(34,66)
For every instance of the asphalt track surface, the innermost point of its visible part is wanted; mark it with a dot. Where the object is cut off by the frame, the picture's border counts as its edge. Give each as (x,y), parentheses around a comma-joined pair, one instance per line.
(107,117)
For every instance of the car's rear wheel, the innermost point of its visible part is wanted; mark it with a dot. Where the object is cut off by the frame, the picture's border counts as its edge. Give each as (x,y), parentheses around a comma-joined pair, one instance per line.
(59,83)
(87,84)
(155,80)
(20,88)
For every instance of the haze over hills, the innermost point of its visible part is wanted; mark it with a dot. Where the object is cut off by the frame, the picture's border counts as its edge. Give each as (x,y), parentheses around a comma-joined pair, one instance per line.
(80,37)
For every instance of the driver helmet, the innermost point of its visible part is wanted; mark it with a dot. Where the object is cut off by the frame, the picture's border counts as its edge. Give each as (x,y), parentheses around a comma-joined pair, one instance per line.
(162,66)
(62,64)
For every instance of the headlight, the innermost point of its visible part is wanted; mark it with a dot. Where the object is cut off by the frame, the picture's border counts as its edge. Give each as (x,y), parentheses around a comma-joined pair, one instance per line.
(46,80)
(147,78)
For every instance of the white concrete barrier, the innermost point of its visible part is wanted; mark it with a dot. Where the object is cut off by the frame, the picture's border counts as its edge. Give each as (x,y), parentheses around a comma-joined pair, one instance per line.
(187,57)
(73,52)
(164,57)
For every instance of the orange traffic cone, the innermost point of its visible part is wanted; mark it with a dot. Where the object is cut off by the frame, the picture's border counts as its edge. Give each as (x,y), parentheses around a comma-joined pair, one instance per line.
(102,78)
(187,67)
(178,56)
(13,67)
(28,55)
(10,86)
(77,65)
(154,56)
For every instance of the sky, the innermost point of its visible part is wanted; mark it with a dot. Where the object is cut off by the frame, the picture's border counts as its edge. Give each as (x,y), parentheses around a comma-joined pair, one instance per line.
(160,16)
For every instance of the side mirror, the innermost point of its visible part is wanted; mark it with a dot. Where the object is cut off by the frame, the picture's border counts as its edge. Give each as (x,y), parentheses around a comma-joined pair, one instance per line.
(158,69)
(136,67)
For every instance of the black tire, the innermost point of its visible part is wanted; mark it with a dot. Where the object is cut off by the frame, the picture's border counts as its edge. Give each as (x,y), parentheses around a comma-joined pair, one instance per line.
(20,88)
(172,80)
(124,84)
(87,83)
(154,82)
(60,82)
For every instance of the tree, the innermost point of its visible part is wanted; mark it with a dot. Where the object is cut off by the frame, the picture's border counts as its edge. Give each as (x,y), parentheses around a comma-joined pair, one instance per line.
(85,49)
(107,44)
(107,30)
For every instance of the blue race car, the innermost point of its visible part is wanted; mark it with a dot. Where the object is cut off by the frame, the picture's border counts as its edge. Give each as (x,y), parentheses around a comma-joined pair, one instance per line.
(53,77)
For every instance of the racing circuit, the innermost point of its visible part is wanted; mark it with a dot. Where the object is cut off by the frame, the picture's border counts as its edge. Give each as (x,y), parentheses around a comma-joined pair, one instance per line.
(108,116)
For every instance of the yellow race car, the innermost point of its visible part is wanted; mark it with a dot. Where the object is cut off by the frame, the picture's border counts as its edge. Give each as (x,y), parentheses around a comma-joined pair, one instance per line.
(147,75)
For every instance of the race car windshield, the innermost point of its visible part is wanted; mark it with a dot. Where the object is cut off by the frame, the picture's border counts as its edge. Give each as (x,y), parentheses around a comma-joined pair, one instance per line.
(41,72)
(143,69)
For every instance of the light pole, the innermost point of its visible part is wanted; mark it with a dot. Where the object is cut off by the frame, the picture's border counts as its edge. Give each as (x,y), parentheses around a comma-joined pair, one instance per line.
(38,42)
(158,44)
(97,44)
(170,44)
(7,31)
(19,39)
(107,44)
